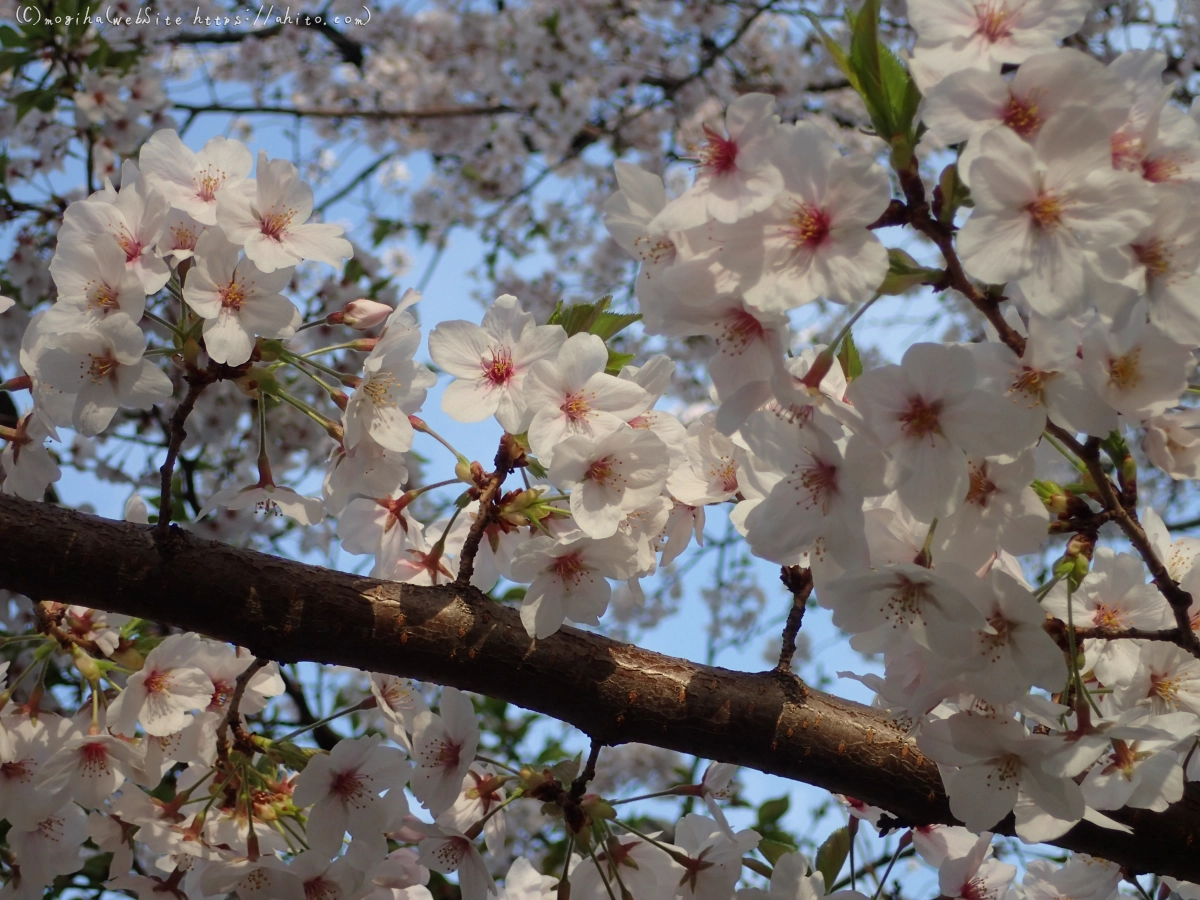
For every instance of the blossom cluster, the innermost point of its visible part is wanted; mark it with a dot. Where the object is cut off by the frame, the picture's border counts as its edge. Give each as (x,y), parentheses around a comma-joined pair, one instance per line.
(911,491)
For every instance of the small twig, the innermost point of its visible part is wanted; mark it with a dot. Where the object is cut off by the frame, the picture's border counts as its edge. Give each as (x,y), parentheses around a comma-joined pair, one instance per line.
(232,720)
(508,457)
(197,382)
(800,582)
(579,785)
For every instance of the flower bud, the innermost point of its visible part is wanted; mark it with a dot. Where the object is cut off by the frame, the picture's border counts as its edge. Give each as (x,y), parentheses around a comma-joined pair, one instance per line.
(85,664)
(362,314)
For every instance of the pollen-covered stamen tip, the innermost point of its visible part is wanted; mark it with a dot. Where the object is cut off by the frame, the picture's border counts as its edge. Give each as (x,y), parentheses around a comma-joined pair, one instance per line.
(1023,116)
(576,406)
(569,568)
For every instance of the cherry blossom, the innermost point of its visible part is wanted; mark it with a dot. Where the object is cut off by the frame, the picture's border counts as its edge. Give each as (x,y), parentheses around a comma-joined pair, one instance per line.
(393,386)
(160,694)
(568,579)
(572,395)
(490,362)
(271,223)
(192,181)
(738,173)
(610,478)
(236,299)
(443,749)
(344,790)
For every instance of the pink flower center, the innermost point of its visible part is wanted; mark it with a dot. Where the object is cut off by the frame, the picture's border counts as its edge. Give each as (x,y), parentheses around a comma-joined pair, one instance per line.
(740,330)
(1159,169)
(347,784)
(94,756)
(233,295)
(1127,151)
(991,21)
(576,406)
(921,418)
(102,368)
(208,184)
(17,771)
(157,683)
(975,889)
(808,227)
(1046,211)
(273,225)
(1022,115)
(602,471)
(448,755)
(569,568)
(499,371)
(981,489)
(221,695)
(820,480)
(719,154)
(1155,257)
(1108,618)
(103,297)
(130,244)
(1124,372)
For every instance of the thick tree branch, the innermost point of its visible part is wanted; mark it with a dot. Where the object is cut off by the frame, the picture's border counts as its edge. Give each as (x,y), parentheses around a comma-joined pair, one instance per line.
(455,635)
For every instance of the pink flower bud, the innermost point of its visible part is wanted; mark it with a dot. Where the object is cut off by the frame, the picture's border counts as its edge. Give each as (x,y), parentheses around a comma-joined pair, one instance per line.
(363,313)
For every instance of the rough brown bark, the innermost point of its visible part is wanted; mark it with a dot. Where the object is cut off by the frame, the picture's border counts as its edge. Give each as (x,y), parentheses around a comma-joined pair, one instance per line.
(614,692)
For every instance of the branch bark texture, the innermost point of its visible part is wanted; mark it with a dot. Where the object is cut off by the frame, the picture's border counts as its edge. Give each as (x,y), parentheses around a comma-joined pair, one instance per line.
(454,635)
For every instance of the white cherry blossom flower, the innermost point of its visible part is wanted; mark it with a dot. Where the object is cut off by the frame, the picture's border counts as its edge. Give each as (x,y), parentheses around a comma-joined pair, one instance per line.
(1000,510)
(1172,442)
(47,849)
(401,703)
(192,181)
(103,368)
(93,281)
(816,494)
(1047,381)
(906,600)
(1083,877)
(163,691)
(610,478)
(268,498)
(645,870)
(790,881)
(813,241)
(236,299)
(572,395)
(976,876)
(997,760)
(1137,370)
(344,787)
(271,222)
(134,217)
(711,472)
(1039,207)
(1167,679)
(490,361)
(444,747)
(446,851)
(927,411)
(481,794)
(27,465)
(738,174)
(90,768)
(568,579)
(714,858)
(1112,597)
(962,34)
(393,386)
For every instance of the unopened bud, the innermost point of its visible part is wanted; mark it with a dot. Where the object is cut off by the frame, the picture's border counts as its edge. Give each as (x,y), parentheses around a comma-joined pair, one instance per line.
(191,352)
(85,664)
(462,471)
(1052,495)
(362,314)
(269,349)
(597,807)
(365,345)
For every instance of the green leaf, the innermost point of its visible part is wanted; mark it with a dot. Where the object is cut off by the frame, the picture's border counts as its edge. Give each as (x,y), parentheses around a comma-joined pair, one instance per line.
(10,37)
(905,273)
(772,811)
(832,855)
(772,850)
(27,100)
(848,357)
(608,325)
(867,65)
(617,361)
